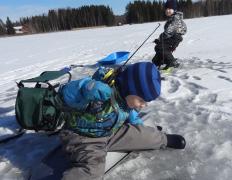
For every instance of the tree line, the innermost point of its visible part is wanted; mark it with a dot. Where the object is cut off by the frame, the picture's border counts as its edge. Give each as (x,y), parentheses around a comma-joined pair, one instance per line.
(205,8)
(67,19)
(6,28)
(135,12)
(147,11)
(63,19)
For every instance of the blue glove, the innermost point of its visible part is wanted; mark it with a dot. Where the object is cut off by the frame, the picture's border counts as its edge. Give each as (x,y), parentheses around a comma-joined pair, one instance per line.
(134,118)
(96,91)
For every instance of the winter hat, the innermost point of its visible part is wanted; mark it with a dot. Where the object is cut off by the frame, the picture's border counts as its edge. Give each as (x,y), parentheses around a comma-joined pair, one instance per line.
(141,79)
(171,4)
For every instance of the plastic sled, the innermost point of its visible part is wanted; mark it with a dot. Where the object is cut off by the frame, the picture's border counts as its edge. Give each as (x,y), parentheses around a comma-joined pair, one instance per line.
(114,58)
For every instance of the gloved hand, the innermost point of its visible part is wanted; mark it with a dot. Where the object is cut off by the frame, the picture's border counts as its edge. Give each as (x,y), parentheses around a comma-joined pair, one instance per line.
(175,141)
(96,91)
(159,128)
(157,41)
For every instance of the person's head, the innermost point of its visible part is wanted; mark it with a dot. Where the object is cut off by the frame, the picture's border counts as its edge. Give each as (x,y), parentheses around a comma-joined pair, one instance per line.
(170,7)
(139,83)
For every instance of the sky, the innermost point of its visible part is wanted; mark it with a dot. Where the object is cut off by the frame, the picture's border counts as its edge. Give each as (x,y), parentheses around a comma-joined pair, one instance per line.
(15,9)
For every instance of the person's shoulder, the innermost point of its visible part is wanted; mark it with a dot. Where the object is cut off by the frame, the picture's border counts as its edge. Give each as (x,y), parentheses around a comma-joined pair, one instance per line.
(178,15)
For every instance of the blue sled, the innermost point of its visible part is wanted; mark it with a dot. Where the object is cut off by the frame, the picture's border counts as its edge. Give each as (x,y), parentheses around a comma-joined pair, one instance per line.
(114,58)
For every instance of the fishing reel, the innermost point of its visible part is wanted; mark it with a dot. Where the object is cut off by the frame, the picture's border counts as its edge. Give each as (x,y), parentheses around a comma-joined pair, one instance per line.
(110,76)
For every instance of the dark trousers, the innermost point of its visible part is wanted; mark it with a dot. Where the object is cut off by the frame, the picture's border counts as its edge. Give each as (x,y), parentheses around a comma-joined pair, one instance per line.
(88,155)
(164,49)
(163,56)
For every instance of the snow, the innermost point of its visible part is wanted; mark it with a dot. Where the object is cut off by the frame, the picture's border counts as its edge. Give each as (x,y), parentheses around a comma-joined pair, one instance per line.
(196,101)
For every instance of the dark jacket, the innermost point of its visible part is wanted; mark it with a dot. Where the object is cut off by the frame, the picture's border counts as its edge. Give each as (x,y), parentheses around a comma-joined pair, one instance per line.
(174,28)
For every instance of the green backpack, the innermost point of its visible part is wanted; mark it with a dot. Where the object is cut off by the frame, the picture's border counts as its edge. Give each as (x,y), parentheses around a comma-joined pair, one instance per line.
(40,107)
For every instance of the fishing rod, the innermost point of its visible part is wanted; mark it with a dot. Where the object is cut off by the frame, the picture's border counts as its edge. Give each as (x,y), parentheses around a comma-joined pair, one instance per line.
(110,75)
(119,68)
(141,45)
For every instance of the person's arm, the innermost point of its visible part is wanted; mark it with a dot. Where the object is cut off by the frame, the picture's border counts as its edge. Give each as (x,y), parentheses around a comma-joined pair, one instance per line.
(176,26)
(134,118)
(96,91)
(78,94)
(169,31)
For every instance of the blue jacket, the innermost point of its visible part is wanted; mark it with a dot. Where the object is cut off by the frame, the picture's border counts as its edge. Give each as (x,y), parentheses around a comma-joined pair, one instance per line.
(100,110)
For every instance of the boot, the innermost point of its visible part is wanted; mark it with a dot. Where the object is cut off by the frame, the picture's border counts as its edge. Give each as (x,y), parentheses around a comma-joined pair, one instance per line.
(159,128)
(174,64)
(175,141)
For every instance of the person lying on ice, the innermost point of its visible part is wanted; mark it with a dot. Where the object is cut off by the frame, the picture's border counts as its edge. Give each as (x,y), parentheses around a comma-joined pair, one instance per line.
(107,120)
(169,40)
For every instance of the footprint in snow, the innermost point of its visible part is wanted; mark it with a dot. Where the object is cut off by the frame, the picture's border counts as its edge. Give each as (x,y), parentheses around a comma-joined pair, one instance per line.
(196,77)
(195,62)
(184,76)
(194,88)
(225,78)
(174,86)
(5,110)
(208,98)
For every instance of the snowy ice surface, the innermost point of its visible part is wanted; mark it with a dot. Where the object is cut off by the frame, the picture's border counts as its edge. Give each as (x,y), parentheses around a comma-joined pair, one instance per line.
(196,100)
